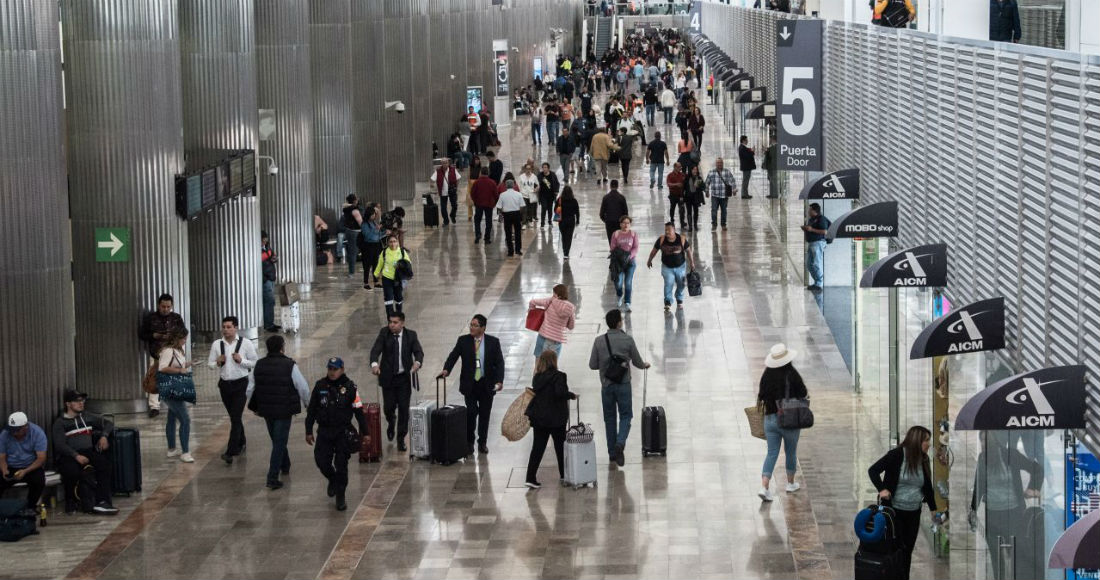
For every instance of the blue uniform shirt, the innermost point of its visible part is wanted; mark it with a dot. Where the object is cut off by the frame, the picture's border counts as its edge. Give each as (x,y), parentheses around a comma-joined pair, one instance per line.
(23,453)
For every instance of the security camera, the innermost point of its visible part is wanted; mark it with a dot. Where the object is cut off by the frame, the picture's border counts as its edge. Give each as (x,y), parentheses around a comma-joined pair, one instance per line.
(399,107)
(273,169)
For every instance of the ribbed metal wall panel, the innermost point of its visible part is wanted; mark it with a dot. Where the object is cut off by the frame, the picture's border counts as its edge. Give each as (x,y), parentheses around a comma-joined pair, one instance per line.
(34,245)
(286,205)
(125,147)
(993,149)
(330,79)
(218,57)
(399,134)
(368,86)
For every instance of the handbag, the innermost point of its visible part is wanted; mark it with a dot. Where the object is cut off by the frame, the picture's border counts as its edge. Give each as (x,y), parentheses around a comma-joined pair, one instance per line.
(288,293)
(694,283)
(755,416)
(149,381)
(515,424)
(617,365)
(176,386)
(535,317)
(794,413)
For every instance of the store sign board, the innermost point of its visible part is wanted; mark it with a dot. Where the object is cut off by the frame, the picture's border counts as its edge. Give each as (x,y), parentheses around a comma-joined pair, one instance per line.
(876,220)
(843,184)
(917,267)
(1050,398)
(976,327)
(798,57)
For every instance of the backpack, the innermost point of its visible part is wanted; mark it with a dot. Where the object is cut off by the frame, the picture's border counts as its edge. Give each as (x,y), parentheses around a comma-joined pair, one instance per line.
(16,521)
(617,365)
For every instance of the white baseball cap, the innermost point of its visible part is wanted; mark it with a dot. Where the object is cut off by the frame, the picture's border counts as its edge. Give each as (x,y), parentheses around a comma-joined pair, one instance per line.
(17,420)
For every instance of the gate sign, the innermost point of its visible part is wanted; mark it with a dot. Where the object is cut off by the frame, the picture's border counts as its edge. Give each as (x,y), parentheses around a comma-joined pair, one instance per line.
(919,267)
(877,220)
(695,17)
(1051,398)
(973,328)
(500,63)
(843,184)
(798,59)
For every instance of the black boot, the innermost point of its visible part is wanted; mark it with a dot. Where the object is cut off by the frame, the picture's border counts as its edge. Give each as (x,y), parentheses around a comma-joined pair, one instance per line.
(341,505)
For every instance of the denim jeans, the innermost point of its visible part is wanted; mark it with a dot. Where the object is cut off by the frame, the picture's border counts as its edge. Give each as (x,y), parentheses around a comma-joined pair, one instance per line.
(776,435)
(178,413)
(279,430)
(536,133)
(815,260)
(624,282)
(650,113)
(543,344)
(553,130)
(616,395)
(668,115)
(716,204)
(657,175)
(351,249)
(677,276)
(269,303)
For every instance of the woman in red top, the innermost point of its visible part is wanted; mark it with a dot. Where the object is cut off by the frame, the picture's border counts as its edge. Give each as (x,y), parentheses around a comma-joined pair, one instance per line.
(675,181)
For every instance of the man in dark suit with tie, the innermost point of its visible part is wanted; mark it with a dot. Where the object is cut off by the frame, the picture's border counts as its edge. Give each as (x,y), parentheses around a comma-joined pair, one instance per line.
(482,377)
(395,357)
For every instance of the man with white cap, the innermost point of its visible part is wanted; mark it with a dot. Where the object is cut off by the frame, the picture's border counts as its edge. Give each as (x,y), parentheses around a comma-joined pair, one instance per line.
(22,455)
(780,381)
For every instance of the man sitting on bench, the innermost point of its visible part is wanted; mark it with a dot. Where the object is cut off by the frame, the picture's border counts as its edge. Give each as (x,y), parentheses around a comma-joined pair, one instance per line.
(22,457)
(80,451)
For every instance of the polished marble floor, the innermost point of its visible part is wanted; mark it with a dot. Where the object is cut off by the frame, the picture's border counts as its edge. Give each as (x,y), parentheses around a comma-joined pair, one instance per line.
(692,514)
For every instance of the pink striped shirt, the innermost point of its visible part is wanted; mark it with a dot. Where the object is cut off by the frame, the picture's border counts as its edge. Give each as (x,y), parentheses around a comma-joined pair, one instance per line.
(560,315)
(627,241)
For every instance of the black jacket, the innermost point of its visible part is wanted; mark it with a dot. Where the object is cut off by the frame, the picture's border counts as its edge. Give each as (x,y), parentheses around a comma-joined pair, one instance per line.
(566,145)
(613,207)
(1004,21)
(550,407)
(496,170)
(747,158)
(1016,463)
(333,404)
(382,353)
(890,466)
(570,213)
(548,186)
(773,386)
(154,323)
(491,374)
(274,395)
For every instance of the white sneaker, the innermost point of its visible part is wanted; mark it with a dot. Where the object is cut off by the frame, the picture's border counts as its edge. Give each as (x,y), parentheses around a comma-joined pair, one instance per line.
(186,458)
(626,307)
(619,302)
(174,453)
(765,494)
(793,487)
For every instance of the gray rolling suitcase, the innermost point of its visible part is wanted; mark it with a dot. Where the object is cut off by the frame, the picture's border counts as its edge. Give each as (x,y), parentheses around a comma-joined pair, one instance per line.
(580,453)
(420,423)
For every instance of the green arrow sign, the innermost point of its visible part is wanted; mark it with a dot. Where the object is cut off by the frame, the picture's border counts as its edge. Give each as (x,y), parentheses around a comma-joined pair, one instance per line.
(112,244)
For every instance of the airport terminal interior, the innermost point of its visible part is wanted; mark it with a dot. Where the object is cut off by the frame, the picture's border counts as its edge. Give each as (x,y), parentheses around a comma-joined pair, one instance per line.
(495,289)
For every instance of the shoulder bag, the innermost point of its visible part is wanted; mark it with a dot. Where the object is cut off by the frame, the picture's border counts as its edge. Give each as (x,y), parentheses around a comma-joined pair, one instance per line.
(176,386)
(617,365)
(794,413)
(536,316)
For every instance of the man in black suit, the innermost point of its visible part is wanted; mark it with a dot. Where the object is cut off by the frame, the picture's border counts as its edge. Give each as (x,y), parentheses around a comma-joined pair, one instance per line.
(395,357)
(482,377)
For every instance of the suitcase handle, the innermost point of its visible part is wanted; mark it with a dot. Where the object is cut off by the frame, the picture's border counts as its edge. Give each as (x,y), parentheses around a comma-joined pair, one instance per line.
(645,385)
(444,379)
(577,398)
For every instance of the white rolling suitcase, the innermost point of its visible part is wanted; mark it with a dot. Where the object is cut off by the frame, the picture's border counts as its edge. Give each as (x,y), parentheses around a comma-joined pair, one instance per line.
(580,453)
(420,421)
(291,318)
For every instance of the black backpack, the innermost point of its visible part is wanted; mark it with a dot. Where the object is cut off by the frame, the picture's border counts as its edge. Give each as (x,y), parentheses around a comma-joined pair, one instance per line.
(617,365)
(16,521)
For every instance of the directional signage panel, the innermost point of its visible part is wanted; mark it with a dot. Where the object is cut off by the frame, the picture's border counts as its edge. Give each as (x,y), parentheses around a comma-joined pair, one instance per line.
(798,57)
(112,244)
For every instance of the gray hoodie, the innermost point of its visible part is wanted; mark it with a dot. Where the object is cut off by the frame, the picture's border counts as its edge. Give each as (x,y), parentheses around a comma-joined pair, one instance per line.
(77,434)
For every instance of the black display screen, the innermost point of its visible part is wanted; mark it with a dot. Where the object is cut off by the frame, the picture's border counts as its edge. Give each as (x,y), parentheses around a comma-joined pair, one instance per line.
(223,180)
(248,169)
(235,176)
(209,187)
(194,195)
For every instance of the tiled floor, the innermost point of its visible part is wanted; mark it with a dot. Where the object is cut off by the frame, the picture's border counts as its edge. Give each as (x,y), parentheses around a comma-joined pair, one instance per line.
(691,514)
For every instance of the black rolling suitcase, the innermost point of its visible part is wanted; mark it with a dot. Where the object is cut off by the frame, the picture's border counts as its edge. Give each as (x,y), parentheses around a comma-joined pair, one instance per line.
(431,212)
(883,559)
(654,427)
(447,430)
(126,459)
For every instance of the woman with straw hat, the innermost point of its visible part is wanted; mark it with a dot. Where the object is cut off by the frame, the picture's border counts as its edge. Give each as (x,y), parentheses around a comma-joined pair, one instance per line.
(780,381)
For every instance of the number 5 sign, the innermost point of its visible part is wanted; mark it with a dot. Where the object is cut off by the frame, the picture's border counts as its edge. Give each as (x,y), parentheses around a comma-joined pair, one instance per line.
(798,53)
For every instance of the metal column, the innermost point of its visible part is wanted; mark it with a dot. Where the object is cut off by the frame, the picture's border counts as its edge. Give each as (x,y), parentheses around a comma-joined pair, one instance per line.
(330,81)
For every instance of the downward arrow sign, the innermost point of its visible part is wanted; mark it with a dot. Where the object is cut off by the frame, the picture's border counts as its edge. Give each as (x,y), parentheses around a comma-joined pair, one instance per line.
(114,244)
(785,34)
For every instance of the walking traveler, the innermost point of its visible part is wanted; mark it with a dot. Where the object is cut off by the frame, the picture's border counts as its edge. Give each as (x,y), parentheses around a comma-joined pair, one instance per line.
(80,443)
(277,391)
(553,121)
(686,154)
(548,192)
(602,146)
(23,457)
(626,152)
(747,158)
(446,185)
(484,195)
(650,100)
(779,381)
(233,357)
(903,478)
(676,259)
(351,219)
(372,237)
(155,329)
(657,156)
(816,226)
(511,204)
(675,181)
(612,209)
(268,259)
(560,315)
(696,124)
(529,188)
(612,354)
(393,287)
(474,120)
(475,173)
(694,196)
(566,147)
(481,379)
(624,249)
(536,125)
(570,216)
(720,187)
(668,103)
(333,404)
(395,358)
(548,412)
(173,361)
(496,168)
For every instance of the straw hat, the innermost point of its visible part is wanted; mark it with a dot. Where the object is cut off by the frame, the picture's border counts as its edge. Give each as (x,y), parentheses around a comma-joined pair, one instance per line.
(779,355)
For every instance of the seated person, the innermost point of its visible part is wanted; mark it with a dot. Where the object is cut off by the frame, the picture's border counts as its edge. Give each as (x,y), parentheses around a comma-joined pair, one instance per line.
(22,457)
(80,451)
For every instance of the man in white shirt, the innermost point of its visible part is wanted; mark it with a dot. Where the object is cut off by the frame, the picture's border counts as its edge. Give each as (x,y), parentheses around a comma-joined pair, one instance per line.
(668,102)
(528,188)
(234,357)
(511,204)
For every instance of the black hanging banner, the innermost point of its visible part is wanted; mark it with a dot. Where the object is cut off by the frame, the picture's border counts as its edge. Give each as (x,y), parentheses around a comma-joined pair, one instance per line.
(876,220)
(1050,398)
(843,184)
(973,328)
(762,111)
(755,95)
(917,267)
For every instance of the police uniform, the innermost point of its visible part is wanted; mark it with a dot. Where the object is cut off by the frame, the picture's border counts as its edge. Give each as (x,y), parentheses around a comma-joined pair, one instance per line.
(332,406)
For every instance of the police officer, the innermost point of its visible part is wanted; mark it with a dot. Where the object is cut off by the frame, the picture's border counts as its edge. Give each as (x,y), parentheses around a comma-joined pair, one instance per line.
(334,402)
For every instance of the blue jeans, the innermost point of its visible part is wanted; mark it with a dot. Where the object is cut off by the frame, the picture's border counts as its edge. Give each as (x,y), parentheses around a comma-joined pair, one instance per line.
(178,413)
(616,395)
(543,344)
(650,113)
(279,430)
(269,303)
(351,249)
(776,435)
(815,260)
(657,175)
(624,282)
(536,133)
(716,203)
(677,276)
(553,129)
